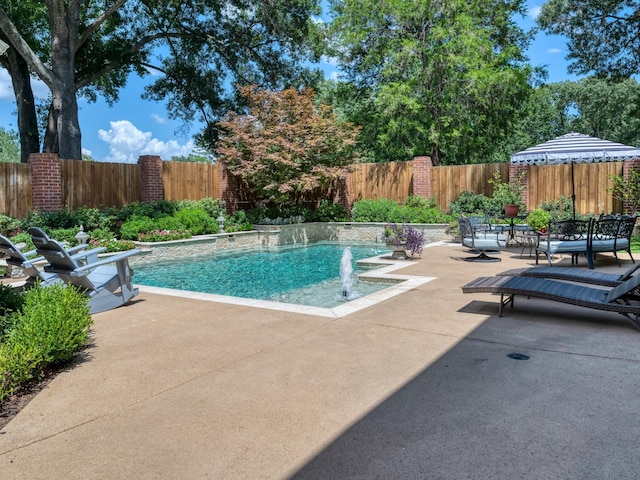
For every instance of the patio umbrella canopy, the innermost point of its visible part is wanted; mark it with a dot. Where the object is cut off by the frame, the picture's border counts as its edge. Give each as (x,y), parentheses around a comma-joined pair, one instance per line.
(575,148)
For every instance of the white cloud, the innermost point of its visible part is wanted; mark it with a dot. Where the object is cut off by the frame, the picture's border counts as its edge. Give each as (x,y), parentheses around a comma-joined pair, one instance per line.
(127,143)
(158,119)
(534,12)
(554,50)
(6,91)
(40,89)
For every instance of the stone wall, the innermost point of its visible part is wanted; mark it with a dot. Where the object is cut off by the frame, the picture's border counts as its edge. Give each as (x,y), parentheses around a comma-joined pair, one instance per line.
(271,236)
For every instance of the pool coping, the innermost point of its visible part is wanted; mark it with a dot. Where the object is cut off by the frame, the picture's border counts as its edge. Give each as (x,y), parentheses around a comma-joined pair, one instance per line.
(403,283)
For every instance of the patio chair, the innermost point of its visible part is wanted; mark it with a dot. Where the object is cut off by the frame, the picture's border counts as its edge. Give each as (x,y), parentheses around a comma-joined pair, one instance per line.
(481,238)
(611,234)
(15,257)
(569,274)
(622,299)
(106,282)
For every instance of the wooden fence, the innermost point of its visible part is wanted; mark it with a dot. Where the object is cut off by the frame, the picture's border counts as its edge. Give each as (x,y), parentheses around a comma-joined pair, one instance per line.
(381,180)
(15,189)
(98,185)
(190,181)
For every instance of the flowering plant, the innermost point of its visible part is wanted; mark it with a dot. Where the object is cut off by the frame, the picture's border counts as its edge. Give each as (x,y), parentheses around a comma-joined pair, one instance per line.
(163,235)
(113,245)
(404,236)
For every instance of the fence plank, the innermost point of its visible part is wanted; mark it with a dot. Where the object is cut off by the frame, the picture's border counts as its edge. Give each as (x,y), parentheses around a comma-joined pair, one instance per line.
(15,189)
(190,181)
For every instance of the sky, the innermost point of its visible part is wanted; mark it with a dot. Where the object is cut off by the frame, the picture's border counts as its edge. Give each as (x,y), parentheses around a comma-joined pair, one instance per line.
(134,127)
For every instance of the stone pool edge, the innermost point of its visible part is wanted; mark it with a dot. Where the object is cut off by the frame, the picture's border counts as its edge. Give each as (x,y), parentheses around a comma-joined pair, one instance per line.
(403,283)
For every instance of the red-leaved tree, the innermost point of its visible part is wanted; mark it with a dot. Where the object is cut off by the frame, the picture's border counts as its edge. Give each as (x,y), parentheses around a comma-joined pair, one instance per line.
(286,149)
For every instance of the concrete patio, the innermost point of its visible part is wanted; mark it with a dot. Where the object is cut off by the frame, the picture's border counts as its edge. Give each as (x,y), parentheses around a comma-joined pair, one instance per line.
(417,387)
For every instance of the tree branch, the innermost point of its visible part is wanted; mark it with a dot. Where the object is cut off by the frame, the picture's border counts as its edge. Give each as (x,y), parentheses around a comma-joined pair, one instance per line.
(23,48)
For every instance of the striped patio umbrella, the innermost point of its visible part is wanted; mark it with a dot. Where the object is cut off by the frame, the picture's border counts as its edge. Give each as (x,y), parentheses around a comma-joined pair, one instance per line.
(575,148)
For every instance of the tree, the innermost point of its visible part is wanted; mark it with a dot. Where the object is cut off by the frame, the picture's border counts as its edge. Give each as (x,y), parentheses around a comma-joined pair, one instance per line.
(9,146)
(604,37)
(285,147)
(90,48)
(601,107)
(446,77)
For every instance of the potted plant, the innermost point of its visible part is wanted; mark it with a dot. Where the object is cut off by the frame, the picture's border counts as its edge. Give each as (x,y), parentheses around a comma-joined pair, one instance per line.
(507,196)
(405,241)
(538,219)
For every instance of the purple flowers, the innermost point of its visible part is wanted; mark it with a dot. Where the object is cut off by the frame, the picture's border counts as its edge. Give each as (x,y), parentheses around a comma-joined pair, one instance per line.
(409,238)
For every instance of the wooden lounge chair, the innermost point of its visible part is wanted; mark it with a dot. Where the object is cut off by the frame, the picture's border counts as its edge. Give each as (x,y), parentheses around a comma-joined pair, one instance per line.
(622,299)
(106,282)
(27,263)
(579,275)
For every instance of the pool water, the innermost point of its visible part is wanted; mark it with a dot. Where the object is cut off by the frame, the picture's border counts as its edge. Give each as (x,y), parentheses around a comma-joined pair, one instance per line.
(307,275)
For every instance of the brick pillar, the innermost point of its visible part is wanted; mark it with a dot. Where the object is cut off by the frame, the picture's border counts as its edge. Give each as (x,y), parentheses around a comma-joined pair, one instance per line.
(228,189)
(46,181)
(515,171)
(342,195)
(422,176)
(151,178)
(627,168)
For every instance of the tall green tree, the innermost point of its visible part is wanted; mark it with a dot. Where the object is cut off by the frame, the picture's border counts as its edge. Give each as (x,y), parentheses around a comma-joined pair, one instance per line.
(601,107)
(443,78)
(604,36)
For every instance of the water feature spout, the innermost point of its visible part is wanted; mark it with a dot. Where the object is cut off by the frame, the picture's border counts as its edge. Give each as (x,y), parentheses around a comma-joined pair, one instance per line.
(346,273)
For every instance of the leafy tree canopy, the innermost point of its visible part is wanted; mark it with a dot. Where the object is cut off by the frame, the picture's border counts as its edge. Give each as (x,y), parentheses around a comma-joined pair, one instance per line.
(285,147)
(437,78)
(604,36)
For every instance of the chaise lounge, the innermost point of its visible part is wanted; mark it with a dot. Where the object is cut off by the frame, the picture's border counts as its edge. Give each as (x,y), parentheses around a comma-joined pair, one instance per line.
(106,282)
(622,299)
(569,274)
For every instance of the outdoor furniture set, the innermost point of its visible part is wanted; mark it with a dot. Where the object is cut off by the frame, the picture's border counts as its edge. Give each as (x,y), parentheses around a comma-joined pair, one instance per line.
(105,281)
(587,237)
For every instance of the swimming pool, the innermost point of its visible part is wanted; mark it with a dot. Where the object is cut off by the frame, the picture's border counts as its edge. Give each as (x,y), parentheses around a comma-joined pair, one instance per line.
(299,274)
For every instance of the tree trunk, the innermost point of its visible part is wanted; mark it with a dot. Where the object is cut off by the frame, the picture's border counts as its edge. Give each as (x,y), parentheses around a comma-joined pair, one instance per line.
(64,29)
(27,118)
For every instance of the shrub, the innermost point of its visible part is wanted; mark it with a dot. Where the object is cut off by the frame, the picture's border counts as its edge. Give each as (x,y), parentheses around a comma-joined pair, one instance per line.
(136,225)
(197,221)
(113,245)
(67,235)
(155,209)
(470,203)
(382,210)
(8,224)
(163,235)
(329,212)
(51,328)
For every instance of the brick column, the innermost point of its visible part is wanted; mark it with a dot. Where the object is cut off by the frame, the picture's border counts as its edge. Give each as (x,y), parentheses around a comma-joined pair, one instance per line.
(151,178)
(514,176)
(422,176)
(627,168)
(342,193)
(46,181)
(228,189)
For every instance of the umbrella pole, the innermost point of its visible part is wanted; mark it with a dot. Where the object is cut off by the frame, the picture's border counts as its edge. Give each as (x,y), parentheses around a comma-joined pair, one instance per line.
(573,192)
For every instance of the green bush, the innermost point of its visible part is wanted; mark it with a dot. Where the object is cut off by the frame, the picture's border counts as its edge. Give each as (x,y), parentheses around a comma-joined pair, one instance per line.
(65,235)
(470,203)
(136,225)
(8,224)
(382,210)
(163,235)
(155,209)
(197,221)
(51,328)
(329,212)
